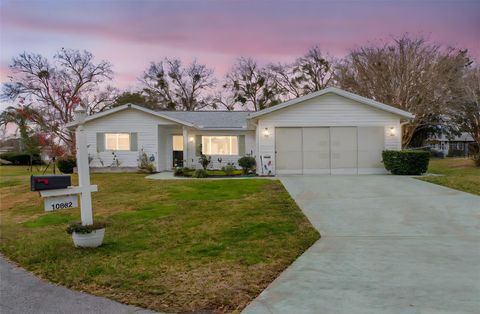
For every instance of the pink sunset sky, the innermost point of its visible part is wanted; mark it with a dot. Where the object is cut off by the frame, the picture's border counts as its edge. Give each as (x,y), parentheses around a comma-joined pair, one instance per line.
(131,34)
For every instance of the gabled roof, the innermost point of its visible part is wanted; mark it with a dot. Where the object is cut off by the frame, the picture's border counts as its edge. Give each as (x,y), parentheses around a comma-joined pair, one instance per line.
(339,92)
(125,107)
(214,120)
(463,137)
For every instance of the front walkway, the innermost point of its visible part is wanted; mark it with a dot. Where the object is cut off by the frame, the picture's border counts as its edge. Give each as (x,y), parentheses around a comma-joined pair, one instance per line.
(21,292)
(389,245)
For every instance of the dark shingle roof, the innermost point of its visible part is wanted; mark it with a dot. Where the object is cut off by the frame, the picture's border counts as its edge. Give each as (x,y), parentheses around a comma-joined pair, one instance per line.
(212,119)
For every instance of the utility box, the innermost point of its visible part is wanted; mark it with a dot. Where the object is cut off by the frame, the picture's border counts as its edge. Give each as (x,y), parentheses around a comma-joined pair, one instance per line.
(40,183)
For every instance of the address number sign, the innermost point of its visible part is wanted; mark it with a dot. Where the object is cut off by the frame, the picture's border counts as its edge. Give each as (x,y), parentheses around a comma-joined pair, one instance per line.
(53,203)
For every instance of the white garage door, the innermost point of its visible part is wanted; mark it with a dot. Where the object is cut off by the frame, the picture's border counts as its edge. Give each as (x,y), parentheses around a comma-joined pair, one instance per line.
(329,150)
(316,151)
(370,146)
(289,150)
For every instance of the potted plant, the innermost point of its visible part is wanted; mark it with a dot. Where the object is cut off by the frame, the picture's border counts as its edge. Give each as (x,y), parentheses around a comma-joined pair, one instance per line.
(88,235)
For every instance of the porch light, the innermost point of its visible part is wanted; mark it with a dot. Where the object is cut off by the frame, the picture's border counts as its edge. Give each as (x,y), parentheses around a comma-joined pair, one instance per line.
(190,139)
(266,133)
(393,131)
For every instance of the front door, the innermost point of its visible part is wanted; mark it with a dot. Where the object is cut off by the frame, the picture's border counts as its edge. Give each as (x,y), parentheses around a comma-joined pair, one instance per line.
(177,149)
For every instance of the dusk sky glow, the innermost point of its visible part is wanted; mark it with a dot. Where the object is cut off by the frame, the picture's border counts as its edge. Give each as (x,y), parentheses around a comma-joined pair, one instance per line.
(131,34)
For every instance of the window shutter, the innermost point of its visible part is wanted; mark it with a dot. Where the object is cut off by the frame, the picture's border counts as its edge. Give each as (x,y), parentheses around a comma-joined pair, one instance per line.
(198,145)
(133,142)
(241,145)
(100,142)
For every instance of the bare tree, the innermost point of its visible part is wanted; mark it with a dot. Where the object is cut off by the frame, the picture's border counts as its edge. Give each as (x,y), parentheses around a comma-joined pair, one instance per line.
(55,89)
(285,80)
(251,85)
(176,87)
(466,113)
(410,74)
(224,100)
(307,74)
(313,71)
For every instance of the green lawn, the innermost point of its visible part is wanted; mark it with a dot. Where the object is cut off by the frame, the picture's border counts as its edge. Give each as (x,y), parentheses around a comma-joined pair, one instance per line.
(174,246)
(458,173)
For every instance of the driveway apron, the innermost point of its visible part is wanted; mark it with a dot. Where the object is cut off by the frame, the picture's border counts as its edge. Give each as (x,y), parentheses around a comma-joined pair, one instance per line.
(389,244)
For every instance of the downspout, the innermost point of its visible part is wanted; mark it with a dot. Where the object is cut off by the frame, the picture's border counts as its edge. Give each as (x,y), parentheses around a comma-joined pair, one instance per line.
(401,131)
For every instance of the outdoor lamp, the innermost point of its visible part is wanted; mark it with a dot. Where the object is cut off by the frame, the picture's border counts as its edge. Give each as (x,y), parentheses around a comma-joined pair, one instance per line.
(266,133)
(392,131)
(190,139)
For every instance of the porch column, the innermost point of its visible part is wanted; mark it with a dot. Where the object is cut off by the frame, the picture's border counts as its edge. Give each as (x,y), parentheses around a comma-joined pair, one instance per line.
(185,146)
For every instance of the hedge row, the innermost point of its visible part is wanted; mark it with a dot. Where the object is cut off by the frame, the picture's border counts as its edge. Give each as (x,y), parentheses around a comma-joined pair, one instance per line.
(21,159)
(406,162)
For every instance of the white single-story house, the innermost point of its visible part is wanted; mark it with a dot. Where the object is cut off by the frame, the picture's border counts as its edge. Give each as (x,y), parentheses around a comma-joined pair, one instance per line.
(327,132)
(457,145)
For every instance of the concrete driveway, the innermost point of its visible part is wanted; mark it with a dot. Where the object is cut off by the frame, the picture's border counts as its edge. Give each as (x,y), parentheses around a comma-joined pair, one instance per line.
(389,245)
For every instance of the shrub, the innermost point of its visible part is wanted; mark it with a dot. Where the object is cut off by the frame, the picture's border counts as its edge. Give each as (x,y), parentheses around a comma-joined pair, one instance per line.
(476,159)
(474,153)
(21,159)
(144,163)
(200,173)
(247,163)
(182,171)
(406,162)
(178,171)
(77,227)
(452,152)
(204,160)
(66,164)
(229,169)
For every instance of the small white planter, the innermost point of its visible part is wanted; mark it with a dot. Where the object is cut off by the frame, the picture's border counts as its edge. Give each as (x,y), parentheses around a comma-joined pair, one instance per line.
(92,239)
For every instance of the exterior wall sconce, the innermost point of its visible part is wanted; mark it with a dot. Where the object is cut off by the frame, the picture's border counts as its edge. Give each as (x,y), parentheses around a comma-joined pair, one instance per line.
(190,139)
(266,132)
(393,131)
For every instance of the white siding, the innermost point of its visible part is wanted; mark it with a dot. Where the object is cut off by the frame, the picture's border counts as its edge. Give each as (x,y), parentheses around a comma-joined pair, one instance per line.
(326,110)
(129,120)
(192,159)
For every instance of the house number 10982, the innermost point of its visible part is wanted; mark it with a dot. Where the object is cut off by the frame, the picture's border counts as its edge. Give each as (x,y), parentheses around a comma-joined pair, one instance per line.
(60,202)
(62,205)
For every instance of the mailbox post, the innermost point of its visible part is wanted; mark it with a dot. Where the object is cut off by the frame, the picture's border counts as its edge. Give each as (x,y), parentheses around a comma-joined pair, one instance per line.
(58,193)
(83,170)
(56,190)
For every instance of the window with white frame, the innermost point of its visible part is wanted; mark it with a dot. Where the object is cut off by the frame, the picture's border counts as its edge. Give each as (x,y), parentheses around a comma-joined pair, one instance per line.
(220,145)
(117,141)
(177,141)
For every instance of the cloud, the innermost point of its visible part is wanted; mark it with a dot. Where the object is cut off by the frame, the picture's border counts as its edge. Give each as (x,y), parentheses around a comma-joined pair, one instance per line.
(131,34)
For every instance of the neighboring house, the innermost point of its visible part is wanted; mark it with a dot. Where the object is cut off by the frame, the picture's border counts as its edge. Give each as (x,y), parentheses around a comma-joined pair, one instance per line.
(327,132)
(455,146)
(14,145)
(10,144)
